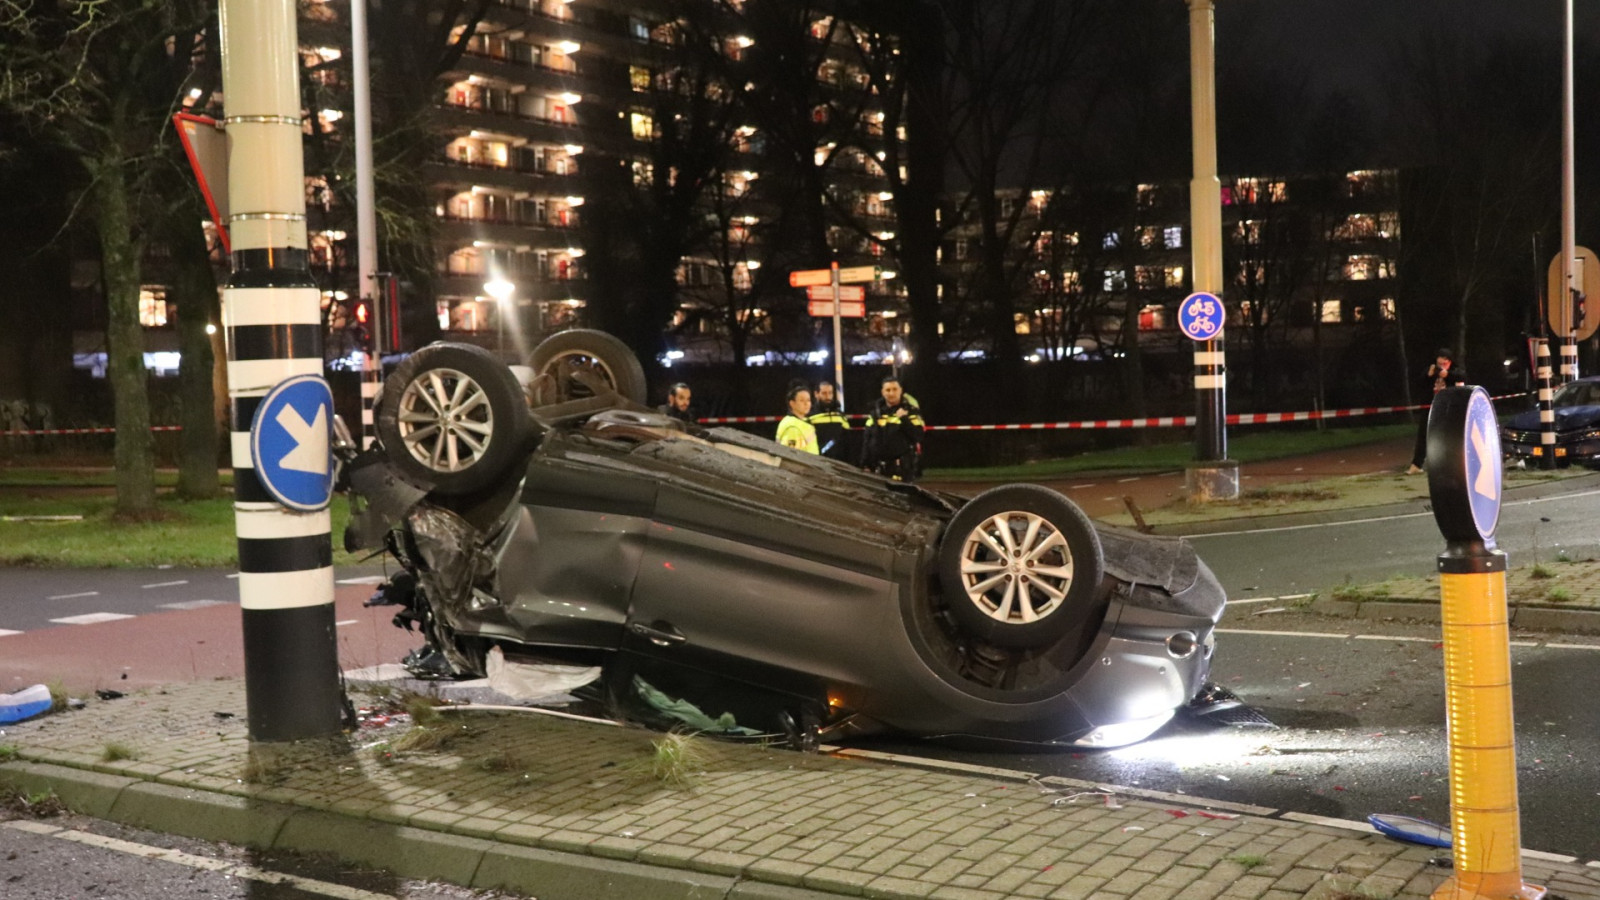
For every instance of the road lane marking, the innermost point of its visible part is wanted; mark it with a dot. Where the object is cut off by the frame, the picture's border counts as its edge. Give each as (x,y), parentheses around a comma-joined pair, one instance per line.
(1079,487)
(71,596)
(5,633)
(1573,646)
(1126,480)
(91,618)
(1232,601)
(206,863)
(344,622)
(365,579)
(1395,637)
(161,584)
(1528,502)
(1321,634)
(192,604)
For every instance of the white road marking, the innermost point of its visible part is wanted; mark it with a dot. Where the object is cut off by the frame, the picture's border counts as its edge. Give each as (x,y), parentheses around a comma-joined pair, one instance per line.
(1126,480)
(71,596)
(365,579)
(1079,487)
(234,575)
(1573,646)
(344,622)
(1321,634)
(193,604)
(5,633)
(1237,601)
(1529,502)
(91,618)
(178,857)
(161,584)
(1395,637)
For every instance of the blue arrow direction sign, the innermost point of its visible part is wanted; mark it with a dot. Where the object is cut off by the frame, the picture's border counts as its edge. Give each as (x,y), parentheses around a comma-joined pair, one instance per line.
(1483,463)
(290,443)
(1200,316)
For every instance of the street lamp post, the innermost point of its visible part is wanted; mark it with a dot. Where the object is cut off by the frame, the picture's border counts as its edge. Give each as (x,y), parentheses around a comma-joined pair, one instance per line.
(501,290)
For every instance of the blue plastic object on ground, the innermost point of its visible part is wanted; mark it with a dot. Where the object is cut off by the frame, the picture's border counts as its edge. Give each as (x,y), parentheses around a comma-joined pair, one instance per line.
(24,704)
(1406,828)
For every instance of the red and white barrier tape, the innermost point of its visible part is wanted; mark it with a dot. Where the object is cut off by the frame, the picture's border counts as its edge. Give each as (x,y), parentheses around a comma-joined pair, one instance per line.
(55,431)
(1309,415)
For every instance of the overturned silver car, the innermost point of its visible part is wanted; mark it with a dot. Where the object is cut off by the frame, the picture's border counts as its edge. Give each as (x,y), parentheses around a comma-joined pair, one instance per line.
(563,519)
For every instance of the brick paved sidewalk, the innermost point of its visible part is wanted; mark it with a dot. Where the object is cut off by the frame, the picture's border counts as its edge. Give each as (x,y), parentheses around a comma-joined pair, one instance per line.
(526,801)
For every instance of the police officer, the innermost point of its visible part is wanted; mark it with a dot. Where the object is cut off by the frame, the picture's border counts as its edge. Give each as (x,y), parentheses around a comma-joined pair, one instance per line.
(794,431)
(827,417)
(894,433)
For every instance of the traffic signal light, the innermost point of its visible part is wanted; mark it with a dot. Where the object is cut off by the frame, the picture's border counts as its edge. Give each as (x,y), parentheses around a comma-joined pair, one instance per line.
(361,323)
(1578,309)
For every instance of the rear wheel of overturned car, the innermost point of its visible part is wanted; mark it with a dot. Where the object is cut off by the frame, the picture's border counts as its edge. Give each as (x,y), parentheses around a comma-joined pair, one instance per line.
(453,416)
(1019,566)
(581,354)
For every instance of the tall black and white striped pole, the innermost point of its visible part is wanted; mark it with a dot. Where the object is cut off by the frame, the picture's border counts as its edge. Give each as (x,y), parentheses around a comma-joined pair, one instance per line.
(274,327)
(1547,411)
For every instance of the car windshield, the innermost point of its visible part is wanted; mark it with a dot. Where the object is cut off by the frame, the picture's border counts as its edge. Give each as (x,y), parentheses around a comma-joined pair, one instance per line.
(1577,393)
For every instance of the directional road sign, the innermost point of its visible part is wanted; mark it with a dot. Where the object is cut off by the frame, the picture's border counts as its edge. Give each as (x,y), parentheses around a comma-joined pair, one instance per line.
(858,274)
(847,292)
(1200,316)
(1464,465)
(847,309)
(808,277)
(290,443)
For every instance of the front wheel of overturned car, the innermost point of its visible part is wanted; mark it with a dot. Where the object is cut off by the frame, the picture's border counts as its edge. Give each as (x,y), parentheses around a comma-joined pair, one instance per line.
(453,416)
(577,355)
(1019,566)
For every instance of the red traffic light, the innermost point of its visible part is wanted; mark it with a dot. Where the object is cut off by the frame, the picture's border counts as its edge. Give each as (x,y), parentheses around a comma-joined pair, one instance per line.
(361,313)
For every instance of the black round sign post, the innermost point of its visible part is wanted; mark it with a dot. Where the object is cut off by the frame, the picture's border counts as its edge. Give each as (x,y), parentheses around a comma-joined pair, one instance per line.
(1464,485)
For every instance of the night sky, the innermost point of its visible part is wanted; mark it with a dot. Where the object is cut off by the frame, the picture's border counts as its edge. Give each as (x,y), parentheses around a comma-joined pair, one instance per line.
(1348,44)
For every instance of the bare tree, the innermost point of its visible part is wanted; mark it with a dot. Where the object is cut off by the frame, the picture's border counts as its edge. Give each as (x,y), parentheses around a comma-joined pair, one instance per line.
(101,79)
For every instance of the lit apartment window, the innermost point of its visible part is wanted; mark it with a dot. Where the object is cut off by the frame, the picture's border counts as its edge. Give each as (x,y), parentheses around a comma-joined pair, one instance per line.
(639,78)
(1365,267)
(1386,308)
(1149,236)
(1148,277)
(643,126)
(1115,280)
(152,307)
(1148,194)
(1172,237)
(1332,311)
(1173,276)
(1111,241)
(1071,282)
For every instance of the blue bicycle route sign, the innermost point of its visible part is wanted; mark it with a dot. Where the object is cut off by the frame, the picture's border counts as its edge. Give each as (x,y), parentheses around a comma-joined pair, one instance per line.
(1483,463)
(1200,316)
(291,445)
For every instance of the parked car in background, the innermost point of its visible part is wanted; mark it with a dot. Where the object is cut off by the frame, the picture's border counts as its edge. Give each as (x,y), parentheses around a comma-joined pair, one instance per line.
(1577,414)
(565,520)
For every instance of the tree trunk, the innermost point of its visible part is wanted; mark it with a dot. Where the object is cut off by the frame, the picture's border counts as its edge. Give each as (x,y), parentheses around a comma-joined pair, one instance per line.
(195,287)
(119,262)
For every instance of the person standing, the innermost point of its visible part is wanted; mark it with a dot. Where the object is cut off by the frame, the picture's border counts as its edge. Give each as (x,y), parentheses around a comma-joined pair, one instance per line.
(827,417)
(1442,374)
(677,405)
(794,431)
(894,433)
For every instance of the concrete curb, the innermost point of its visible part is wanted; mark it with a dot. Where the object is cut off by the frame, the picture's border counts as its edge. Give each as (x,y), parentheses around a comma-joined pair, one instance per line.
(405,850)
(1357,513)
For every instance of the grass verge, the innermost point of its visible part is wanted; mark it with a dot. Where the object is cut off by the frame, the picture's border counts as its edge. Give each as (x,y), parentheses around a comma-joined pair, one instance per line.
(1251,447)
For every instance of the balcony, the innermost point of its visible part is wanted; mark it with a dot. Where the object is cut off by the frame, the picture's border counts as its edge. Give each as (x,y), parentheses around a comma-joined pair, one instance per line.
(531,286)
(455,231)
(533,128)
(457,173)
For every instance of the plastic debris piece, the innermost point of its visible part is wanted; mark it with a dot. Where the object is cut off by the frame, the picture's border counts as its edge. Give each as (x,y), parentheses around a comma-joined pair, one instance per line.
(1211,815)
(1411,829)
(686,712)
(1177,814)
(24,704)
(1129,828)
(105,694)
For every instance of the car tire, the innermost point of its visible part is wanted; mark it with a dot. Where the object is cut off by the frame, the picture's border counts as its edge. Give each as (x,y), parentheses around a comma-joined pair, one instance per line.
(595,351)
(1019,566)
(452,416)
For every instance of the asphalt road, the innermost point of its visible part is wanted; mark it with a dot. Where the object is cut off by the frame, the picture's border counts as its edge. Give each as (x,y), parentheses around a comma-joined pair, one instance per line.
(1319,557)
(73,857)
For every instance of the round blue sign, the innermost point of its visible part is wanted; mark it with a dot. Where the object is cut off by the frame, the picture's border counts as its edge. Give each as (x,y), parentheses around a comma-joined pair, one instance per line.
(1201,316)
(291,443)
(1483,463)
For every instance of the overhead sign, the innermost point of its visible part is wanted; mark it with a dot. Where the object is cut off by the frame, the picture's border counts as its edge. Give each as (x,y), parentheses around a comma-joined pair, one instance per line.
(291,445)
(846,310)
(1201,316)
(1558,303)
(848,292)
(858,274)
(1464,465)
(207,147)
(809,277)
